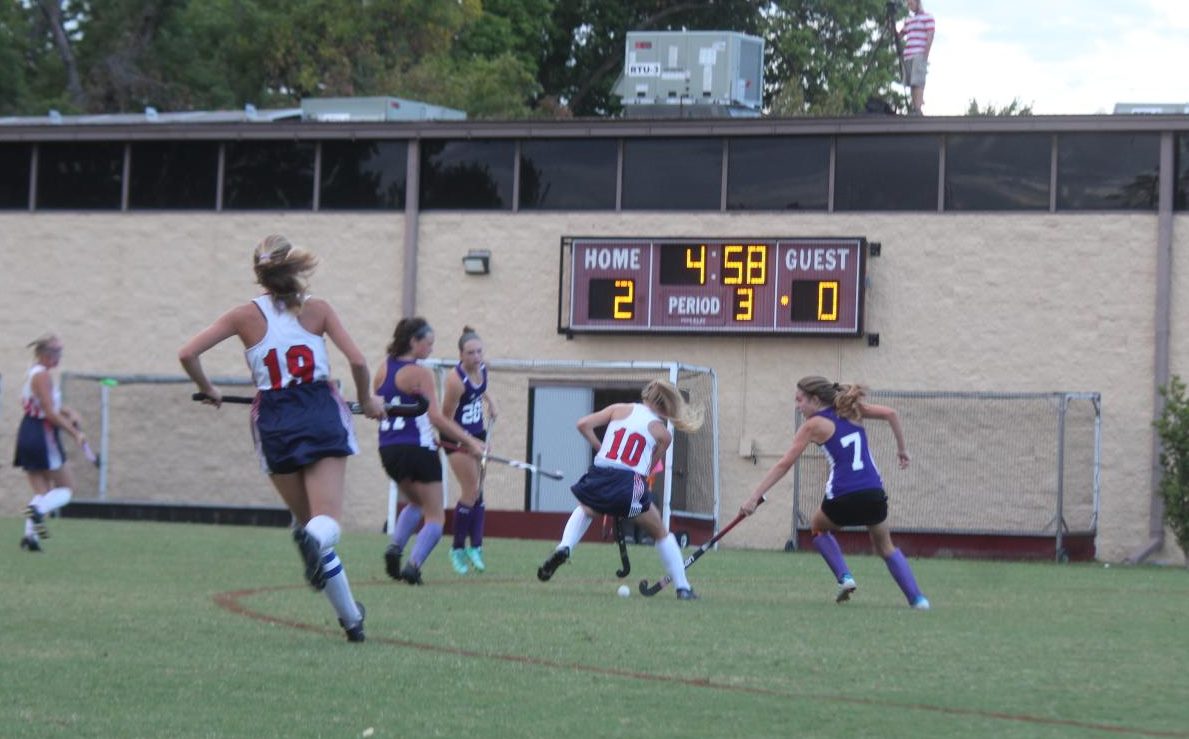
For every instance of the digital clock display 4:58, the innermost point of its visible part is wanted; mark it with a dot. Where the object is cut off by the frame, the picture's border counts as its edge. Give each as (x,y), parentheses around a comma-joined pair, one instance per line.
(808,286)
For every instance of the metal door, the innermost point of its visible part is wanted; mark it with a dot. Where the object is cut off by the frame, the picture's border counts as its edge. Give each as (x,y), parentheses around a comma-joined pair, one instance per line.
(556,443)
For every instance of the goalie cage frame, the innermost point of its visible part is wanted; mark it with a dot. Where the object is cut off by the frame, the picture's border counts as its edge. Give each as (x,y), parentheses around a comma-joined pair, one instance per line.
(581,370)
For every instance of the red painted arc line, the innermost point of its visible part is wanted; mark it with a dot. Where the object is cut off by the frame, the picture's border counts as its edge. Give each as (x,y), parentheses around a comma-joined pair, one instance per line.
(231,601)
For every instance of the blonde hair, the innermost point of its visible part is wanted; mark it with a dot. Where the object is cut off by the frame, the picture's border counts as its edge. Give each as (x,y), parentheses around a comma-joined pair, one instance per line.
(282,269)
(843,398)
(43,343)
(666,399)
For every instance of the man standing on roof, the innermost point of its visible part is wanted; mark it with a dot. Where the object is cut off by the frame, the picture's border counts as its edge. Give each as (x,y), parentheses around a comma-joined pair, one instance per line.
(917,32)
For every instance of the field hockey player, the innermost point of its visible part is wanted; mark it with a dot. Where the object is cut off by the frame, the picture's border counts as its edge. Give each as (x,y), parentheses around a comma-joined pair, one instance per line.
(617,482)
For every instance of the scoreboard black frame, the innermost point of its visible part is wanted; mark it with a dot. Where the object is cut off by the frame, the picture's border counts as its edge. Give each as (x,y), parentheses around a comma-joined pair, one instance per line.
(794,286)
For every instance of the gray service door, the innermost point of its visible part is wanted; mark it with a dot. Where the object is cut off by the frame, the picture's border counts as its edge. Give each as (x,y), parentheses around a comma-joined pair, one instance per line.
(556,444)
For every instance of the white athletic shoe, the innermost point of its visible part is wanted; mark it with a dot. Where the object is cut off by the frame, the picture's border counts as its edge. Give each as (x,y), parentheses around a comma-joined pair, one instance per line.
(845,588)
(921,604)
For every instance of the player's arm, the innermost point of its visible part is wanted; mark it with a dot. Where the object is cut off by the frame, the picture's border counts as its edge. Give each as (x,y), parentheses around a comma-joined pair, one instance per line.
(886,413)
(42,387)
(332,325)
(588,423)
(418,380)
(224,327)
(452,394)
(809,431)
(492,408)
(660,432)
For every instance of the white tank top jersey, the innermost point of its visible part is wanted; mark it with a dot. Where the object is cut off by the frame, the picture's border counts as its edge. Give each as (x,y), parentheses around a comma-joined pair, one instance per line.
(288,354)
(628,444)
(29,402)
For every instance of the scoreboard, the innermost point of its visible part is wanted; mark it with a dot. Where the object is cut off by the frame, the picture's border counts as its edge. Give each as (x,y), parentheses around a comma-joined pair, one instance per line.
(767,286)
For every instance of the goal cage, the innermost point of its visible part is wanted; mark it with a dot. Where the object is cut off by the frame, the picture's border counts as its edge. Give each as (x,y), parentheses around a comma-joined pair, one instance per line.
(984,464)
(146,423)
(539,403)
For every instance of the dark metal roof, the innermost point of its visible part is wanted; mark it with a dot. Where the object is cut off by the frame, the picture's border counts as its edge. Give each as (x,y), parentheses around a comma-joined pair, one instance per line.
(283,124)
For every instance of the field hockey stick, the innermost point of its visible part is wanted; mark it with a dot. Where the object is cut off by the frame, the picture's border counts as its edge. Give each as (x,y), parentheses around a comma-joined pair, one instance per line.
(394,409)
(483,459)
(88,452)
(651,590)
(551,474)
(626,569)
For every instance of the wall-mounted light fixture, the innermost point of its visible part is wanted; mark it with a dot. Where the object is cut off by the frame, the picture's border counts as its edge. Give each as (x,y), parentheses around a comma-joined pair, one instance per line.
(477,262)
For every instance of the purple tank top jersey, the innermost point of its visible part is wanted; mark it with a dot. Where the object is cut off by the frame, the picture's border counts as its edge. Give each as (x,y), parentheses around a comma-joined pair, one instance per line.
(851,466)
(396,430)
(469,413)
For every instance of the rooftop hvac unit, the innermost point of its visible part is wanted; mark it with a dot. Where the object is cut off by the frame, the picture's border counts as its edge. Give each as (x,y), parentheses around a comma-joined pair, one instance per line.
(696,72)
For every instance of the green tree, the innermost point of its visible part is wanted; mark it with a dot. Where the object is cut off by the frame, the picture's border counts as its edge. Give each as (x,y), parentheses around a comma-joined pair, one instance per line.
(1173,428)
(14,34)
(829,57)
(1015,107)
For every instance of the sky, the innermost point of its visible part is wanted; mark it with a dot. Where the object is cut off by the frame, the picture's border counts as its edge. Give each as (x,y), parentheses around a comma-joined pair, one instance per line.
(1062,57)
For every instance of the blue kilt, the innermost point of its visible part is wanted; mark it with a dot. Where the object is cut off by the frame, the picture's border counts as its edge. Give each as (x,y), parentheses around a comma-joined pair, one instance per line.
(613,491)
(39,447)
(296,426)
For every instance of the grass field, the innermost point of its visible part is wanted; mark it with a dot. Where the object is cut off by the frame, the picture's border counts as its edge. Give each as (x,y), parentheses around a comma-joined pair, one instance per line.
(125,629)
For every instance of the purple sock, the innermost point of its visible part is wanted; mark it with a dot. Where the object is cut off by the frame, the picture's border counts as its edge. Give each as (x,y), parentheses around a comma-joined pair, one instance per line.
(827,545)
(427,539)
(462,524)
(477,512)
(406,524)
(902,574)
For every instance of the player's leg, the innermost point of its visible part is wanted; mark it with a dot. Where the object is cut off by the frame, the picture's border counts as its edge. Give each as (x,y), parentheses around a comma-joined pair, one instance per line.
(35,529)
(428,497)
(39,452)
(576,526)
(61,490)
(396,460)
(466,472)
(826,545)
(901,571)
(291,487)
(475,550)
(407,522)
(667,549)
(325,482)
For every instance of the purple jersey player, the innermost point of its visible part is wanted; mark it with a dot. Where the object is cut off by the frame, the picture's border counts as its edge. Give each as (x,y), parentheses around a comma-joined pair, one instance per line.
(854,490)
(463,399)
(408,448)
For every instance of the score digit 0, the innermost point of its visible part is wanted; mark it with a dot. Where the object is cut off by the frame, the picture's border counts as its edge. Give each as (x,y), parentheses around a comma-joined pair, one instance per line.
(814,300)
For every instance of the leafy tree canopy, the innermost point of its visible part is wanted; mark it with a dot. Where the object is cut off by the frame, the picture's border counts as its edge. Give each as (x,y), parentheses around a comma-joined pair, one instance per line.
(492,58)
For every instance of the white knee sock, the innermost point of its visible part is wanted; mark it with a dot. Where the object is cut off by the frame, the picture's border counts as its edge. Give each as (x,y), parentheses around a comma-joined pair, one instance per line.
(326,530)
(671,558)
(338,590)
(53,500)
(575,528)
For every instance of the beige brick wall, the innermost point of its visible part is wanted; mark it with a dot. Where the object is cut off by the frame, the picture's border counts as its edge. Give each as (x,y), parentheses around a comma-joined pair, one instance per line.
(1020,302)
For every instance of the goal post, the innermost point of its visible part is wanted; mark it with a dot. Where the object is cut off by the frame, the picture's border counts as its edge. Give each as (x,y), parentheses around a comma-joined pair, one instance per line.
(540,400)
